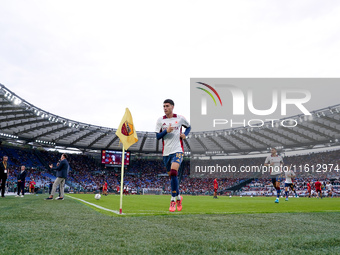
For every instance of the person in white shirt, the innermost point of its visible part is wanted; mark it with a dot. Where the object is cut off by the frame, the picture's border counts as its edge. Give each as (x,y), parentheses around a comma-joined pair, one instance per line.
(169,129)
(275,163)
(329,188)
(289,174)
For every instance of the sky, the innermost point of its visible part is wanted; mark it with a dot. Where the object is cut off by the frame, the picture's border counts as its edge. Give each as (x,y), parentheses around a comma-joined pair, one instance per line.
(89,60)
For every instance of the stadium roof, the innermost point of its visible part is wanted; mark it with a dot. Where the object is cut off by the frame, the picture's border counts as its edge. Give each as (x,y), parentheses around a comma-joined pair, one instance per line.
(21,120)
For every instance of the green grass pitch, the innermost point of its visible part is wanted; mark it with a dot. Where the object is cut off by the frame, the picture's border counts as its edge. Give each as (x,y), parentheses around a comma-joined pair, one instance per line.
(226,225)
(158,205)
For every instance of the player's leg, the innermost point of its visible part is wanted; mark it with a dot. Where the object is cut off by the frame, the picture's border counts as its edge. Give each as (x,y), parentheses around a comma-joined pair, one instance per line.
(174,183)
(292,187)
(286,191)
(176,161)
(167,164)
(276,185)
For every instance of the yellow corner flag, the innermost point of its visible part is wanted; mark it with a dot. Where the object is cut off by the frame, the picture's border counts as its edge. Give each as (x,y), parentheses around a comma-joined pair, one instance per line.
(126,130)
(128,136)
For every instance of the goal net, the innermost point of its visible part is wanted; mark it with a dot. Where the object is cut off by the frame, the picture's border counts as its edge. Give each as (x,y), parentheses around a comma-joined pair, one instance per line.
(152,191)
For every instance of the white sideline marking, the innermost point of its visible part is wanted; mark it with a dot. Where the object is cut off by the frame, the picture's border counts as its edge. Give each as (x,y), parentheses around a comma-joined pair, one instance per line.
(97,206)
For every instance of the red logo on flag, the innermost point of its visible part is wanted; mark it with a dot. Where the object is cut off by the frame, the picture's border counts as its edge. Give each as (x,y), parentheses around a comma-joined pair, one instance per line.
(127,129)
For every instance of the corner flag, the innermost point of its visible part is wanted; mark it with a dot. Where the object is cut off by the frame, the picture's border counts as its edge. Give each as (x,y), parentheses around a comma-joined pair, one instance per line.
(128,136)
(126,130)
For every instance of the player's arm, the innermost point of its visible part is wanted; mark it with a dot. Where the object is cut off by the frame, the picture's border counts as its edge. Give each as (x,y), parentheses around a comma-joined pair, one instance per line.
(292,173)
(281,162)
(159,133)
(267,162)
(187,126)
(164,132)
(186,132)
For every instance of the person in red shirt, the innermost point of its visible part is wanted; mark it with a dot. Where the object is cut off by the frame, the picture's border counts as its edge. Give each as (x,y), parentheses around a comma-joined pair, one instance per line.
(105,189)
(215,188)
(309,189)
(32,186)
(118,188)
(318,188)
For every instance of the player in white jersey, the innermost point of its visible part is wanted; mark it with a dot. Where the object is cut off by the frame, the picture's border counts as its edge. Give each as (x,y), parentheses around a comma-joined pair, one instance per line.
(275,163)
(329,188)
(169,129)
(289,175)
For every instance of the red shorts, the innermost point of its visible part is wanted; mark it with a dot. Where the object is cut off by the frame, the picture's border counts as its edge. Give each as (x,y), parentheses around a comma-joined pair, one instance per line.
(318,190)
(215,190)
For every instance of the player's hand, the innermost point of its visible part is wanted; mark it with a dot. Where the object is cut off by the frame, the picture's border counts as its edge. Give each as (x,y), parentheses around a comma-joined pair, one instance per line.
(51,166)
(183,136)
(169,129)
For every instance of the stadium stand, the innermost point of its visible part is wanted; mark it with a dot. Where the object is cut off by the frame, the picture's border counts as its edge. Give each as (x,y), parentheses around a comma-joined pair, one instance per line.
(88,175)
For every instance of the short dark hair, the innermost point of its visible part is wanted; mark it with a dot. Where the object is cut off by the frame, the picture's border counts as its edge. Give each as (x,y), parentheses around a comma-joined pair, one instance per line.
(169,101)
(65,156)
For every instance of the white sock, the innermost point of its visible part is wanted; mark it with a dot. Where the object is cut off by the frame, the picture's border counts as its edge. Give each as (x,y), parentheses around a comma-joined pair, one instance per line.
(179,197)
(173,199)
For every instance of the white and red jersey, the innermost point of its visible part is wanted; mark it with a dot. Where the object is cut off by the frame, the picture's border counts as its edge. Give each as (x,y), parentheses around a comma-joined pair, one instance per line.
(276,162)
(172,142)
(289,175)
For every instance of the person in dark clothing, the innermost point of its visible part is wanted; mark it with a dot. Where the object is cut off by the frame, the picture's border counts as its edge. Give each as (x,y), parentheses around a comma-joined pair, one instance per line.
(21,181)
(62,171)
(3,174)
(50,187)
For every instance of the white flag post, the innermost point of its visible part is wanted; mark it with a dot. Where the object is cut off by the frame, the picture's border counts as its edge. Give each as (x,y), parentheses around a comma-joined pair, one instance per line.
(122,183)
